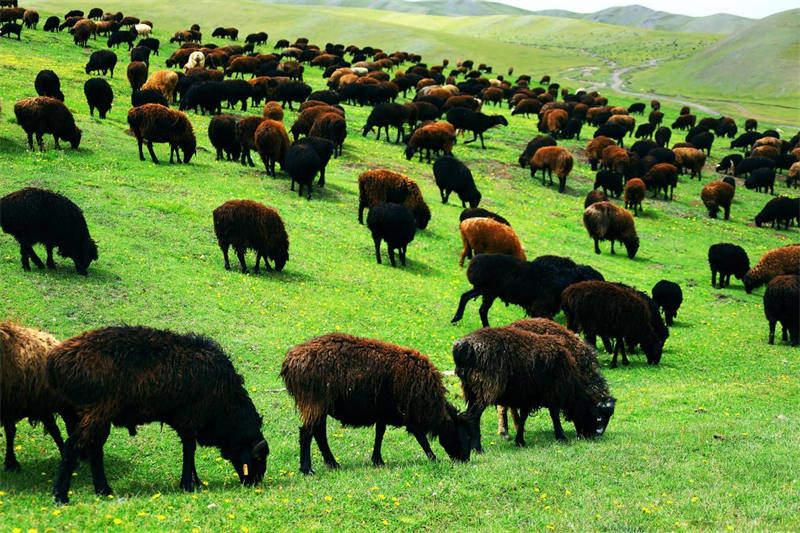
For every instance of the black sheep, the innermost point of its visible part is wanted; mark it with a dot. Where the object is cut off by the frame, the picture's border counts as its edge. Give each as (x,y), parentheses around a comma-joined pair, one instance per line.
(148,96)
(141,53)
(662,136)
(206,95)
(236,91)
(572,129)
(668,296)
(609,180)
(45,114)
(726,259)
(612,131)
(467,120)
(779,210)
(302,163)
(728,163)
(761,178)
(122,36)
(102,61)
(222,134)
(453,175)
(534,144)
(642,147)
(293,91)
(780,305)
(150,43)
(385,115)
(644,131)
(475,212)
(127,376)
(324,149)
(48,84)
(98,95)
(749,164)
(636,108)
(701,140)
(51,24)
(34,215)
(393,223)
(11,28)
(329,97)
(746,140)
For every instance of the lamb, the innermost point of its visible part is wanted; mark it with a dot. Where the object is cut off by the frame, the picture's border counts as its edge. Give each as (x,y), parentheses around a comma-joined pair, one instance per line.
(197,59)
(593,197)
(761,178)
(23,390)
(608,180)
(163,81)
(48,84)
(393,223)
(691,159)
(44,114)
(272,143)
(374,185)
(453,175)
(777,210)
(475,212)
(151,43)
(533,145)
(141,53)
(137,74)
(138,375)
(780,305)
(605,221)
(668,296)
(684,121)
(305,120)
(485,235)
(617,159)
(436,136)
(247,224)
(514,367)
(222,134)
(98,95)
(389,114)
(594,149)
(635,190)
(331,126)
(527,106)
(156,123)
(367,381)
(726,259)
(661,176)
(776,262)
(34,215)
(715,195)
(553,159)
(616,312)
(553,121)
(474,121)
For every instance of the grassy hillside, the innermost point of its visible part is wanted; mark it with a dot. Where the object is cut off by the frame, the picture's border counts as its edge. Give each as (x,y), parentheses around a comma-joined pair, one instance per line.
(704,441)
(450,8)
(758,63)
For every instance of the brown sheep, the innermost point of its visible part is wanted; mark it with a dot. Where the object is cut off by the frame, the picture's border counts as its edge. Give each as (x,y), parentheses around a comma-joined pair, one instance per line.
(593,197)
(271,142)
(436,136)
(780,305)
(624,120)
(273,111)
(362,382)
(776,262)
(494,95)
(156,123)
(765,150)
(555,120)
(655,118)
(527,106)
(661,176)
(768,141)
(552,159)
(305,120)
(715,195)
(373,186)
(793,175)
(532,147)
(243,65)
(30,18)
(606,222)
(332,126)
(163,81)
(691,159)
(137,74)
(246,135)
(635,191)
(247,224)
(595,147)
(44,114)
(24,391)
(616,158)
(462,100)
(481,235)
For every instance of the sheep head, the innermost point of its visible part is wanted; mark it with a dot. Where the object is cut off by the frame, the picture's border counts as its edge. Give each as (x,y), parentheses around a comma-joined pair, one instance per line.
(455,435)
(594,422)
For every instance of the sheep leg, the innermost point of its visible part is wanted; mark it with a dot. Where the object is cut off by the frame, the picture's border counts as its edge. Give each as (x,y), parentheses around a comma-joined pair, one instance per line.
(188,469)
(475,411)
(40,141)
(502,421)
(482,145)
(27,251)
(361,206)
(714,278)
(483,310)
(10,429)
(50,263)
(380,429)
(621,346)
(139,140)
(377,241)
(426,447)
(402,252)
(391,253)
(556,418)
(597,246)
(224,247)
(30,140)
(400,132)
(258,260)
(321,182)
(50,426)
(99,480)
(321,436)
(152,153)
(462,304)
(772,324)
(612,246)
(306,432)
(519,441)
(69,460)
(240,255)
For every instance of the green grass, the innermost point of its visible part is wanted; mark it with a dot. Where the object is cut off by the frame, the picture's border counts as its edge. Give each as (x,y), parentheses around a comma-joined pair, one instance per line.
(659,466)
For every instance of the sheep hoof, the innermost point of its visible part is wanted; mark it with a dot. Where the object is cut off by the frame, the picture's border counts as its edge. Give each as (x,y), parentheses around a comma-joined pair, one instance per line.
(519,443)
(377,462)
(12,466)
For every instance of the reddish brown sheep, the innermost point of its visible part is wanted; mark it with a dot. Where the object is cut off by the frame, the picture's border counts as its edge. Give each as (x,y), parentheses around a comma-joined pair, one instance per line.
(616,158)
(247,224)
(593,197)
(362,382)
(163,81)
(551,159)
(635,191)
(305,120)
(271,142)
(137,74)
(691,159)
(715,195)
(155,123)
(487,236)
(781,305)
(332,126)
(373,186)
(273,111)
(661,176)
(594,149)
(44,114)
(246,135)
(776,262)
(433,136)
(606,222)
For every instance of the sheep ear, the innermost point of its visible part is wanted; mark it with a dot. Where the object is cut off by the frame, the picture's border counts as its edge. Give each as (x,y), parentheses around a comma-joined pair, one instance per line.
(261,449)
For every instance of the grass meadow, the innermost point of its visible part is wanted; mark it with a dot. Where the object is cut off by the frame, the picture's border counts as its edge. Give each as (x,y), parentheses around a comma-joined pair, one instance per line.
(704,441)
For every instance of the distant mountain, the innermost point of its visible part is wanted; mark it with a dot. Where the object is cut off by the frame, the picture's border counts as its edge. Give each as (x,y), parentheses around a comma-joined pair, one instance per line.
(450,8)
(637,16)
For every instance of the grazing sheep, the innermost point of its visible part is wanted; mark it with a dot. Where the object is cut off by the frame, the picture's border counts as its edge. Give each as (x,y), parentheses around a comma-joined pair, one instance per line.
(662,136)
(222,134)
(761,178)
(615,312)
(137,74)
(272,142)
(362,382)
(715,195)
(593,197)
(147,96)
(793,176)
(606,222)
(594,150)
(151,43)
(331,126)
(474,121)
(612,131)
(668,296)
(156,123)
(163,81)
(661,176)
(751,164)
(608,180)
(247,224)
(98,95)
(701,140)
(141,53)
(51,24)
(726,259)
(635,190)
(102,61)
(780,305)
(436,136)
(389,114)
(207,95)
(23,390)
(485,235)
(393,223)
(745,141)
(273,111)
(515,367)
(245,134)
(324,151)
(122,36)
(533,145)
(293,91)
(777,210)
(476,212)
(637,107)
(307,117)
(44,114)
(552,159)
(655,117)
(196,59)
(728,163)
(453,175)
(691,159)
(11,28)
(302,163)
(48,84)
(776,262)
(34,215)
(375,185)
(129,376)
